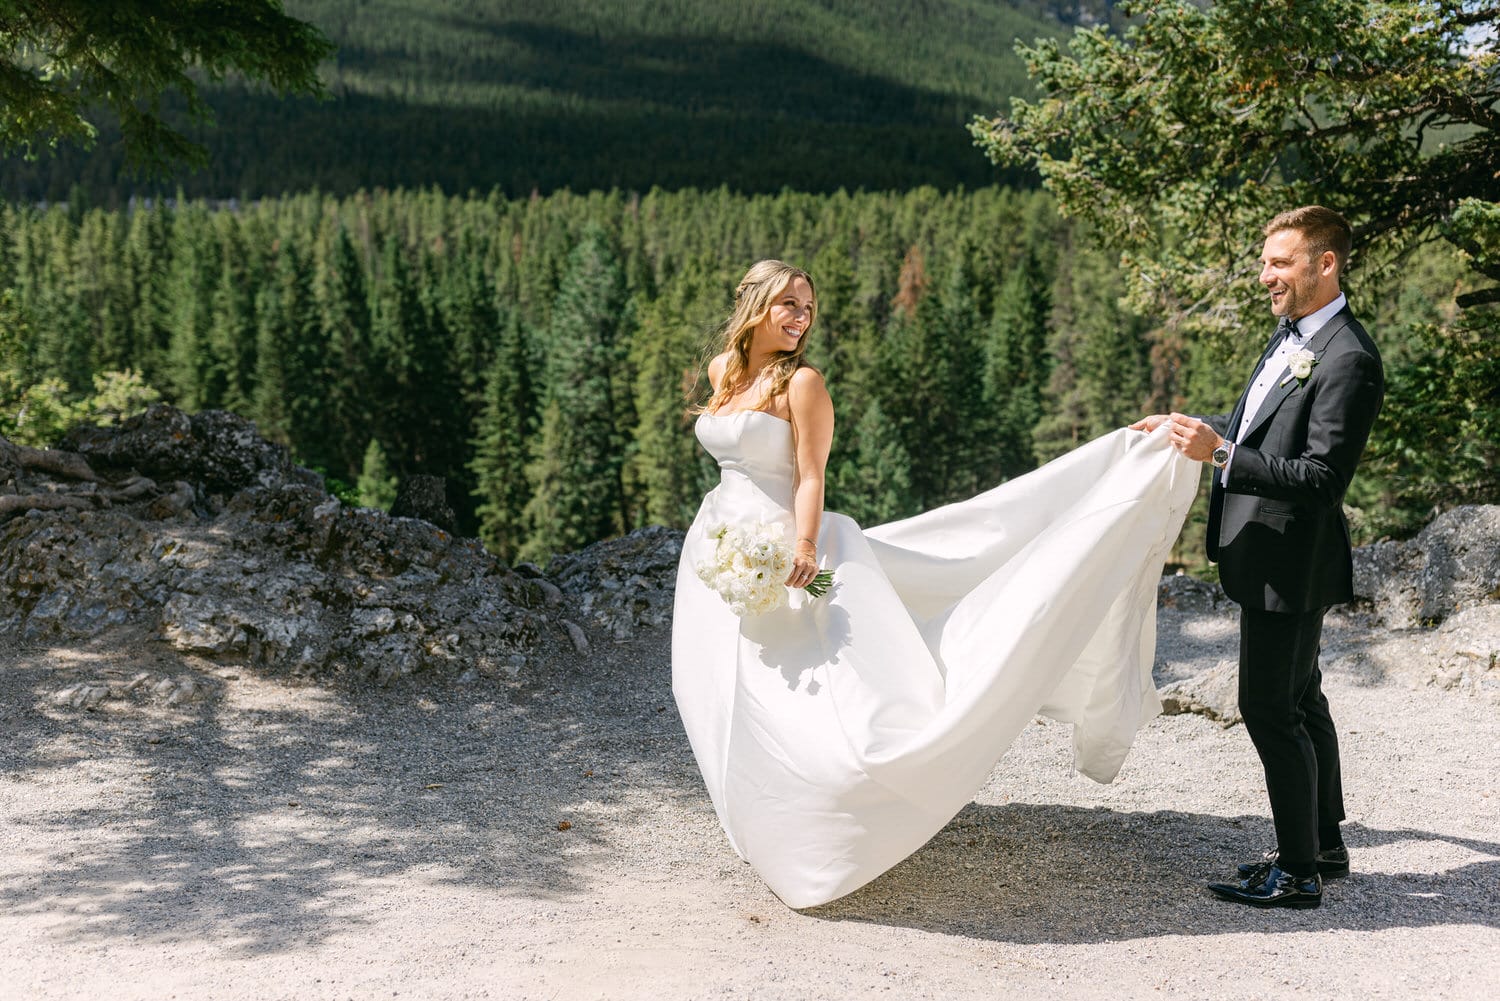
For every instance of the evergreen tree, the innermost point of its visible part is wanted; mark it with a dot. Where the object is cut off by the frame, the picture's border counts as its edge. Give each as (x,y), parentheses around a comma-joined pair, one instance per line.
(439,420)
(131,59)
(875,487)
(930,383)
(289,403)
(344,327)
(58,309)
(398,326)
(554,519)
(231,338)
(1100,377)
(1016,367)
(106,290)
(500,447)
(147,252)
(577,491)
(377,484)
(118,395)
(192,278)
(667,472)
(15,336)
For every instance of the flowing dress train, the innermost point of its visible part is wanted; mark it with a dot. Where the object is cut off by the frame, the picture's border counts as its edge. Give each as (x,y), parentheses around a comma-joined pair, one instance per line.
(838,734)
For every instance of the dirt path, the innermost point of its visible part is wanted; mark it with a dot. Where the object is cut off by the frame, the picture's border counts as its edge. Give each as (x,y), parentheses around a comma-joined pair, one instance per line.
(280,839)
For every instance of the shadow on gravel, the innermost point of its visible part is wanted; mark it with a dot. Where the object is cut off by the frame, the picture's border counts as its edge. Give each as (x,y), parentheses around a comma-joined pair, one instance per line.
(1058,874)
(255,820)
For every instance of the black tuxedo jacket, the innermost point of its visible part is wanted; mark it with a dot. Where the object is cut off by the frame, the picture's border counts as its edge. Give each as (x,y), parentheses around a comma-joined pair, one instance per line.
(1277,529)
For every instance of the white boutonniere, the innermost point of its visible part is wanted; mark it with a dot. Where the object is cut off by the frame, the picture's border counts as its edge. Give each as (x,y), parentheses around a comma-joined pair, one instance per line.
(1299,366)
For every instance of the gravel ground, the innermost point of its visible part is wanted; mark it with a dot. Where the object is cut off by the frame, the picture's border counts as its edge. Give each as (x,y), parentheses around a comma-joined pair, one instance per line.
(278,838)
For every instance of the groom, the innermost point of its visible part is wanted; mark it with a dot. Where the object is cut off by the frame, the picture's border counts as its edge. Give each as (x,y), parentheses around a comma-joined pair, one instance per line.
(1282,461)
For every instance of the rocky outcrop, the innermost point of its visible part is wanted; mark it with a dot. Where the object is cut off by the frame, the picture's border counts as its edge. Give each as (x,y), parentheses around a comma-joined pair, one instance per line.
(200,530)
(195,530)
(1189,594)
(219,453)
(1452,564)
(623,584)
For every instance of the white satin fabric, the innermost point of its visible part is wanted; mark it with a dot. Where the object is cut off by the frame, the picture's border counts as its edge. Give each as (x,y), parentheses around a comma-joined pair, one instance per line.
(837,735)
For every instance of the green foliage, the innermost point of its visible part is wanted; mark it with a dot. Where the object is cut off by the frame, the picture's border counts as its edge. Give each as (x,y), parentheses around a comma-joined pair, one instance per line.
(666,468)
(1017,367)
(118,395)
(15,337)
(376,486)
(288,355)
(877,484)
(542,353)
(577,494)
(499,458)
(1097,355)
(1440,441)
(58,58)
(44,412)
(1177,139)
(343,331)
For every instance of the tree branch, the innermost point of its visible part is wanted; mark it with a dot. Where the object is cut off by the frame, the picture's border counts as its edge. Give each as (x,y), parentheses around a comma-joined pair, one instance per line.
(1479,297)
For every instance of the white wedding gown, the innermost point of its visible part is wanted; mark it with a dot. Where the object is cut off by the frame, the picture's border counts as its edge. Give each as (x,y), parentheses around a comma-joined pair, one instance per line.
(837,735)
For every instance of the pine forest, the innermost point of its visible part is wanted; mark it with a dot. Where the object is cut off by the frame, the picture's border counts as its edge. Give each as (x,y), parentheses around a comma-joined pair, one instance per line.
(543,354)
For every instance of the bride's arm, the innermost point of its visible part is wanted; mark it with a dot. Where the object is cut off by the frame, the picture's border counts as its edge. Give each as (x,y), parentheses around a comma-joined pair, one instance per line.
(812,427)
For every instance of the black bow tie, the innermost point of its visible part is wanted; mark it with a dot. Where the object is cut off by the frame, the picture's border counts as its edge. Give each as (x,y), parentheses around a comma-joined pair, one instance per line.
(1288,327)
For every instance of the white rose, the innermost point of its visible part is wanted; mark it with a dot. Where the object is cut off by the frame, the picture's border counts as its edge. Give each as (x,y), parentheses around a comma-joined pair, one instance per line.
(1301,363)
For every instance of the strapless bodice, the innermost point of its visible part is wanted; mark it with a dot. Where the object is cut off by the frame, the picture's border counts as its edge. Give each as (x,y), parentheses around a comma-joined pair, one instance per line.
(753,449)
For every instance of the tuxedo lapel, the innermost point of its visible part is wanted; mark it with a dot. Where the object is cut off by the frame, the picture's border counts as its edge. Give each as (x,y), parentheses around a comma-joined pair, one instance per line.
(1317,344)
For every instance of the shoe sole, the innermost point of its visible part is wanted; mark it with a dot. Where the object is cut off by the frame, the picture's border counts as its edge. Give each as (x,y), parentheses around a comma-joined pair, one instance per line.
(1291,905)
(1302,904)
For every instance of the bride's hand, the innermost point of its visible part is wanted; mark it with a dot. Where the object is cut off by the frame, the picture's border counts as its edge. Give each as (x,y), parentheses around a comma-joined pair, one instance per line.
(1148,424)
(804,566)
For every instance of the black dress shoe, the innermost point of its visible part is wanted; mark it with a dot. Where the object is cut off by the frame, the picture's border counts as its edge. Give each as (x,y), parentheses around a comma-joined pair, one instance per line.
(1274,889)
(1332,864)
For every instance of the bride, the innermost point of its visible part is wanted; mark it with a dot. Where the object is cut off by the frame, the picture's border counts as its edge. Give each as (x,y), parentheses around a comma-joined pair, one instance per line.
(837,734)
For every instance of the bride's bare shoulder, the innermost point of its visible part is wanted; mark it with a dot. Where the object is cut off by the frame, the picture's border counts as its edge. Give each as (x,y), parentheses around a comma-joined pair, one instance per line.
(807,383)
(716,369)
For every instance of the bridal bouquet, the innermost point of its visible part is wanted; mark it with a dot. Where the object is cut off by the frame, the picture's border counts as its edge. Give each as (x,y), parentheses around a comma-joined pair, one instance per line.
(750,566)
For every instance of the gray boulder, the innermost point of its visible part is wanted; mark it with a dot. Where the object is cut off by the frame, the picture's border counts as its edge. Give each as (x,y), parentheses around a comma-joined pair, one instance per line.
(217,451)
(623,584)
(1214,694)
(1452,564)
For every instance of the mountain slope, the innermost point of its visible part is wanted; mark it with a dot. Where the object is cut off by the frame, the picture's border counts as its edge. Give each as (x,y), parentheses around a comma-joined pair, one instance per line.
(755,94)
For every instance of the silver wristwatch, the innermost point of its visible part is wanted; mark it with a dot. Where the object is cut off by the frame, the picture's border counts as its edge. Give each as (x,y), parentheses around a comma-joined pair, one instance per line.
(1220,458)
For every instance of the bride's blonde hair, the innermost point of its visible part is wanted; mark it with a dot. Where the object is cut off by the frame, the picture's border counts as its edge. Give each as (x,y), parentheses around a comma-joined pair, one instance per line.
(752,301)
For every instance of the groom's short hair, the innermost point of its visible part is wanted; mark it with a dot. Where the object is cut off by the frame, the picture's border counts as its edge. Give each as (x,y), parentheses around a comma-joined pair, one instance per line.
(1322,228)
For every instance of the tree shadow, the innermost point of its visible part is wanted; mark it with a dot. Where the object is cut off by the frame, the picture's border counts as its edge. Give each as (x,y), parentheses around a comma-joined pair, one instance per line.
(1190,642)
(257,821)
(1036,874)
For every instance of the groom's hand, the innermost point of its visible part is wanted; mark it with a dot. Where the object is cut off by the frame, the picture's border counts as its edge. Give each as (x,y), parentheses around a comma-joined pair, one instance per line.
(1193,438)
(1148,424)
